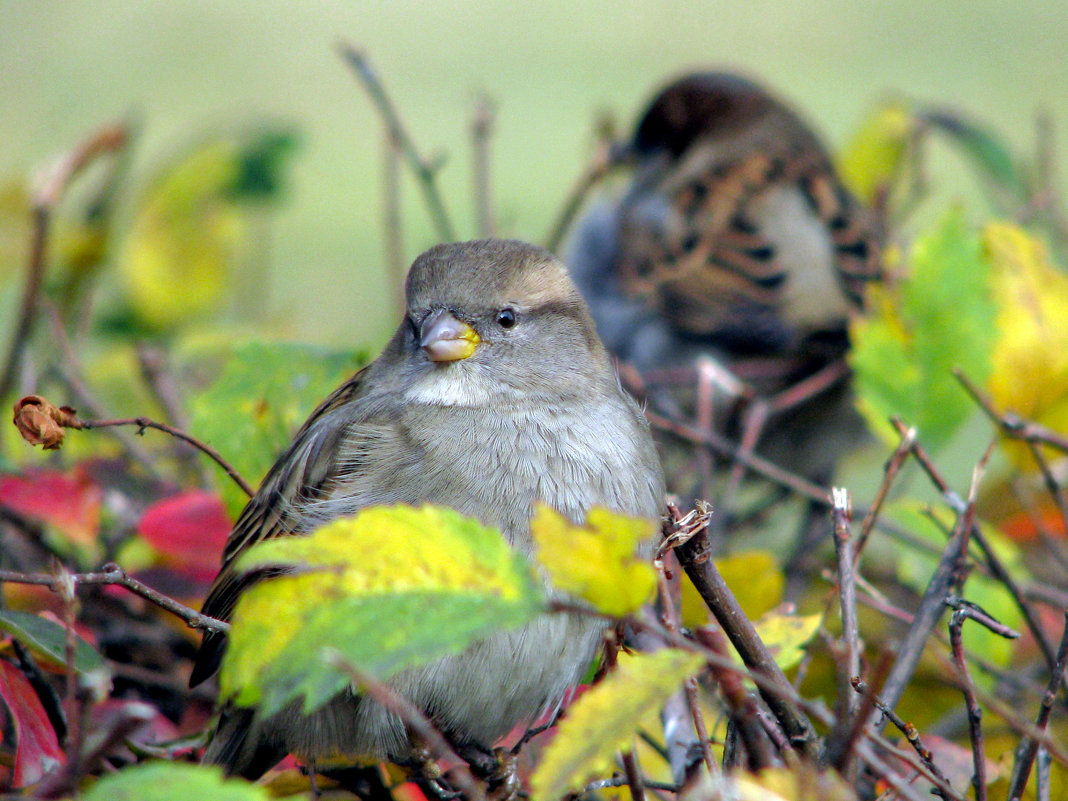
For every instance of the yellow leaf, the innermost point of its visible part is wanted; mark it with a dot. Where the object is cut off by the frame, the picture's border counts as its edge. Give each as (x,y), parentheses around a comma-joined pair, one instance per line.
(604,719)
(391,548)
(787,635)
(755,579)
(797,783)
(1030,359)
(871,161)
(596,561)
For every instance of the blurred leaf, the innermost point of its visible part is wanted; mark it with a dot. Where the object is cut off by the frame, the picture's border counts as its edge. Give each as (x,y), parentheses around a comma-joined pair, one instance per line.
(755,579)
(1030,359)
(189,531)
(192,227)
(173,781)
(596,561)
(796,783)
(37,751)
(70,502)
(261,397)
(604,719)
(787,635)
(48,639)
(979,144)
(939,317)
(873,158)
(389,588)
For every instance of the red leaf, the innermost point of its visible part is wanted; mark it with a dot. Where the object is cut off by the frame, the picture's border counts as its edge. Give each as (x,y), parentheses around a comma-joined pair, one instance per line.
(189,530)
(68,501)
(37,750)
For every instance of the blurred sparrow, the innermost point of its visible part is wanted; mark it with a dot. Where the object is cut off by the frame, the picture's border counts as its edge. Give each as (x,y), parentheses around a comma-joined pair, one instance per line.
(735,249)
(495,392)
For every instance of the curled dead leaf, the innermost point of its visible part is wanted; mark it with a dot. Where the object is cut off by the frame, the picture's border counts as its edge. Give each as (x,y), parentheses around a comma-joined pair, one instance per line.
(41,423)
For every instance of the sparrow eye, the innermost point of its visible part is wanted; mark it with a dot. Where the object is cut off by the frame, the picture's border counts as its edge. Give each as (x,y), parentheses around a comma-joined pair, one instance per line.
(506,318)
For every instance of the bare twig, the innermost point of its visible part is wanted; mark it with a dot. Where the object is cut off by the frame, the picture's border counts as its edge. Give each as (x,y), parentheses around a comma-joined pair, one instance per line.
(601,163)
(112,574)
(908,730)
(695,557)
(995,565)
(424,171)
(757,464)
(849,668)
(742,707)
(975,712)
(677,737)
(926,618)
(108,139)
(893,466)
(413,718)
(392,222)
(481,133)
(144,422)
(1028,748)
(1012,425)
(634,776)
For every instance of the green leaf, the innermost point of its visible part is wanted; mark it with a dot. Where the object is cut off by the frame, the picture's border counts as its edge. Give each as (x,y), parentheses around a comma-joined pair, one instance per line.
(940,316)
(603,720)
(262,395)
(390,588)
(48,639)
(173,781)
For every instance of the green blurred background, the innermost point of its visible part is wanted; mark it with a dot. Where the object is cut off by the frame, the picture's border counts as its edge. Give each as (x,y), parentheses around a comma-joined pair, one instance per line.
(183,67)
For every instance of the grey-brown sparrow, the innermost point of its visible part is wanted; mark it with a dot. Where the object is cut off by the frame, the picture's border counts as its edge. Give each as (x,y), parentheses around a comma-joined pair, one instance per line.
(494,392)
(734,246)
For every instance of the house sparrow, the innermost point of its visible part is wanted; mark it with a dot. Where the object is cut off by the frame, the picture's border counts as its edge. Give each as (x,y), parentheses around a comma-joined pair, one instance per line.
(495,392)
(734,250)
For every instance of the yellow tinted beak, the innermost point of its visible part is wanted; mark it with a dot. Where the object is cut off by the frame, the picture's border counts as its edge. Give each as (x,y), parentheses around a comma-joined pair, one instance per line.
(446,339)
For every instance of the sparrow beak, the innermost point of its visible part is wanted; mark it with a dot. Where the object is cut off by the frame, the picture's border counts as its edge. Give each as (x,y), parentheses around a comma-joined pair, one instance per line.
(446,339)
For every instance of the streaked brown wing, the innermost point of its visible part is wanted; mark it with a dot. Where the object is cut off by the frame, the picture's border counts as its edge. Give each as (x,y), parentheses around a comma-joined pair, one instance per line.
(299,475)
(692,247)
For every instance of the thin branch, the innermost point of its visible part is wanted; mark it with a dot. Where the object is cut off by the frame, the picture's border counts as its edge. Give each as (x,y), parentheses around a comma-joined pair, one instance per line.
(423,170)
(1028,748)
(143,422)
(1012,425)
(757,464)
(741,706)
(634,776)
(108,139)
(112,574)
(413,719)
(893,466)
(995,565)
(849,668)
(481,133)
(695,557)
(926,618)
(907,729)
(975,712)
(603,160)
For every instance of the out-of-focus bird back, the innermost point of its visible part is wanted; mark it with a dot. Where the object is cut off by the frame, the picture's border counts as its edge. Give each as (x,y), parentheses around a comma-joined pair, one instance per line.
(734,245)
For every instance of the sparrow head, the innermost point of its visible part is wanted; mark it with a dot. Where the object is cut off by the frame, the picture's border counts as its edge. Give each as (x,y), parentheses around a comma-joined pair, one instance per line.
(492,318)
(707,105)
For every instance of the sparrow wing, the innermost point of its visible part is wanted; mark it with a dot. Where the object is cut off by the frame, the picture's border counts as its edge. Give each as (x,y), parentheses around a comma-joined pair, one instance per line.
(694,244)
(300,475)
